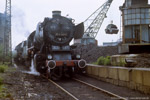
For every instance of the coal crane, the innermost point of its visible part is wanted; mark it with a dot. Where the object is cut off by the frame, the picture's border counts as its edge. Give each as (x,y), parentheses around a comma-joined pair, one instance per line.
(93,23)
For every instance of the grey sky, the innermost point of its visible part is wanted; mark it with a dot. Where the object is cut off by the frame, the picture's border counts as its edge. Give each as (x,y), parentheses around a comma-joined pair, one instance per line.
(27,13)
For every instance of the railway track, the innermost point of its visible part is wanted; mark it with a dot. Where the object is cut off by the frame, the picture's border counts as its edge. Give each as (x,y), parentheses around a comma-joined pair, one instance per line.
(75,89)
(115,96)
(80,90)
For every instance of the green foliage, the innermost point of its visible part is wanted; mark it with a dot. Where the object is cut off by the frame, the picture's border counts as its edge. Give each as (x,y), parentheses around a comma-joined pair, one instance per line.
(1,81)
(107,61)
(100,60)
(1,52)
(4,93)
(6,58)
(108,57)
(103,61)
(3,68)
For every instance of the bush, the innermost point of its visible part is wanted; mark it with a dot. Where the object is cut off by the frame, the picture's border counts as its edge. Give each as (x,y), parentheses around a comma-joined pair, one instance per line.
(108,57)
(3,68)
(4,58)
(1,81)
(1,52)
(107,61)
(100,60)
(4,94)
(103,61)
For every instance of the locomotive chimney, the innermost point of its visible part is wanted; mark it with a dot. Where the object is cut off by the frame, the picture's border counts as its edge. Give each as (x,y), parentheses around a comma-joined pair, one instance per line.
(56,13)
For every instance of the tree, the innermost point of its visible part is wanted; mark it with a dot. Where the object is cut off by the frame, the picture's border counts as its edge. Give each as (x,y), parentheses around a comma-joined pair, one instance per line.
(1,52)
(6,58)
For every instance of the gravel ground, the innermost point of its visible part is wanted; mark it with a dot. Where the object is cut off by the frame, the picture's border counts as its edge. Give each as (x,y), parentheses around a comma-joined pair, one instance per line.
(143,60)
(92,52)
(23,86)
(122,91)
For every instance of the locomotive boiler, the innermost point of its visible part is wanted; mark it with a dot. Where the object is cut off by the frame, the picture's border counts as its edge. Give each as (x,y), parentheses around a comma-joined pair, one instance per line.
(49,46)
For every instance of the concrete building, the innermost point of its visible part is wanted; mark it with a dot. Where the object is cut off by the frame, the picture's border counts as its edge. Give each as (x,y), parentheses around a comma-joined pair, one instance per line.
(136,26)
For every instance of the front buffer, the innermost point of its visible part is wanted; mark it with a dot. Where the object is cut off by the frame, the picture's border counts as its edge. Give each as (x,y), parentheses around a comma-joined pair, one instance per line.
(59,68)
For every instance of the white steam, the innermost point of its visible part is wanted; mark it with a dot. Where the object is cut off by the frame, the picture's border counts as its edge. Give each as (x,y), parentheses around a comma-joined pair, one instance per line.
(32,69)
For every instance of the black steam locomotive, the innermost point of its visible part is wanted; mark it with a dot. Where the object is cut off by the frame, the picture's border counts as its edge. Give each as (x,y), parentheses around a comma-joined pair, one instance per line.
(49,47)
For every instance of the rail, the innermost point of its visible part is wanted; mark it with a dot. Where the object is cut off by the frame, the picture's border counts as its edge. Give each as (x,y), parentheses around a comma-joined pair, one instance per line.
(102,90)
(115,96)
(71,95)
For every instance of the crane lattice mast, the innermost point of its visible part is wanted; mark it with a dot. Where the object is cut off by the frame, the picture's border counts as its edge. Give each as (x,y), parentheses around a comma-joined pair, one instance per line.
(94,21)
(7,32)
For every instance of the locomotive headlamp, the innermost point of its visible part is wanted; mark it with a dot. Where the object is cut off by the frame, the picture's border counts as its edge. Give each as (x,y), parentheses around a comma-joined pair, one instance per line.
(78,56)
(49,56)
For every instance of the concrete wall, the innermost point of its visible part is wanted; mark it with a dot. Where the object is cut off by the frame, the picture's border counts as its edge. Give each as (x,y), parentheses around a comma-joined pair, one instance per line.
(133,78)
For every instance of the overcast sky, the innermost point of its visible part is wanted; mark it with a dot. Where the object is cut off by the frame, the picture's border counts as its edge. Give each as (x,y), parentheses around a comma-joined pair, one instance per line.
(27,13)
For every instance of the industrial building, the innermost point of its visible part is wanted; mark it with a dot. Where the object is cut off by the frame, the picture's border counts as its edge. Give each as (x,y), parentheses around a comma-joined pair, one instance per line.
(136,26)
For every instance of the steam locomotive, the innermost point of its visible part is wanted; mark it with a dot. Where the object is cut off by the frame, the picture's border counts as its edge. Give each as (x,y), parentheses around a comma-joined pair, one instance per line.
(49,47)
